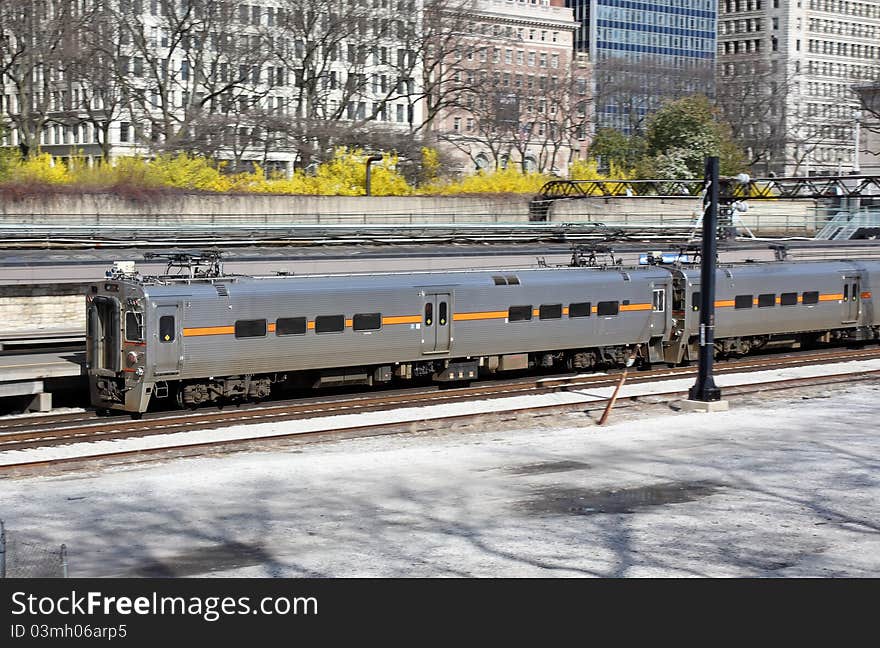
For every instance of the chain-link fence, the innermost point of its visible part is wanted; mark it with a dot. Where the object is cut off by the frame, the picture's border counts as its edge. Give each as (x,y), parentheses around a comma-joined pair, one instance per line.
(22,559)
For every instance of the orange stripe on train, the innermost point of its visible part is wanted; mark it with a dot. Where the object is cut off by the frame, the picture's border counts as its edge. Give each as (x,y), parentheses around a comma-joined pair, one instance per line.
(402,319)
(209,330)
(459,317)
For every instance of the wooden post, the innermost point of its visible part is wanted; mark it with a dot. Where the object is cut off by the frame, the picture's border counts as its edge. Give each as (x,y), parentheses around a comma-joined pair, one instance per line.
(629,363)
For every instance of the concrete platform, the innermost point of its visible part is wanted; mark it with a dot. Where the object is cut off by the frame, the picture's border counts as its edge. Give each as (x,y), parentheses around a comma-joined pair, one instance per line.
(41,337)
(24,375)
(41,365)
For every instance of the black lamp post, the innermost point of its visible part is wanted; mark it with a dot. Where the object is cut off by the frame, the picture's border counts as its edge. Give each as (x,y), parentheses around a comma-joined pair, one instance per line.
(705,389)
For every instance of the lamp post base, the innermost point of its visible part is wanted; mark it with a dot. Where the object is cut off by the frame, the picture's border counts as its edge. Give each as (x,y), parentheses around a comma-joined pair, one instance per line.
(703,406)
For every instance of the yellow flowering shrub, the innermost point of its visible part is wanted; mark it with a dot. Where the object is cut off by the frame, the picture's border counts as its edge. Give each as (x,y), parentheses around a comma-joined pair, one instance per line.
(589,170)
(343,175)
(509,180)
(41,168)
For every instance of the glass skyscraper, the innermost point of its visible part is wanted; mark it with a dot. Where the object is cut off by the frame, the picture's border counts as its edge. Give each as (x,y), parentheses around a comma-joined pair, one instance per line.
(645,52)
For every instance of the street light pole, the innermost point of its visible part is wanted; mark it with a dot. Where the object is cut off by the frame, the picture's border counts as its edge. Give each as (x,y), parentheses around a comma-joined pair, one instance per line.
(705,390)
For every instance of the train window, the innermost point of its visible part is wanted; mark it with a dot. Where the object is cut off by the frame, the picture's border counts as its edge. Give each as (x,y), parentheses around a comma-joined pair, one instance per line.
(811,297)
(580,309)
(659,303)
(290,326)
(519,313)
(743,301)
(788,299)
(499,280)
(166,328)
(367,321)
(442,314)
(845,292)
(134,327)
(429,313)
(696,300)
(607,308)
(250,328)
(512,280)
(329,323)
(766,300)
(550,311)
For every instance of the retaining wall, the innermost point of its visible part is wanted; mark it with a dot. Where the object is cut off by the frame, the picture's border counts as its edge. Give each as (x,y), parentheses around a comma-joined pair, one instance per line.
(766,217)
(88,209)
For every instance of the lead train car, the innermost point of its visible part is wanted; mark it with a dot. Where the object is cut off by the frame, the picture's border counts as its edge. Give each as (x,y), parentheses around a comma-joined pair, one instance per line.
(232,338)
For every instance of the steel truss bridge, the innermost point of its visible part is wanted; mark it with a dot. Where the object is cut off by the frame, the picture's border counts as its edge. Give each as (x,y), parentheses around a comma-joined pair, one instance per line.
(757,188)
(815,187)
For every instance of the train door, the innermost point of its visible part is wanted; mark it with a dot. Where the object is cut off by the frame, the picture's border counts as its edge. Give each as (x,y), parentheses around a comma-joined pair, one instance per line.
(436,318)
(103,336)
(852,299)
(659,309)
(166,339)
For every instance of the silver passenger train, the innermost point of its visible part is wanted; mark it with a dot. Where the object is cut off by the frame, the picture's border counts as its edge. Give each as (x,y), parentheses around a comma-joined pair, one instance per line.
(232,338)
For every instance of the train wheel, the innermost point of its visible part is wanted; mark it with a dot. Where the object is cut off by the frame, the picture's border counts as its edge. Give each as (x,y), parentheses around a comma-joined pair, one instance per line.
(102,411)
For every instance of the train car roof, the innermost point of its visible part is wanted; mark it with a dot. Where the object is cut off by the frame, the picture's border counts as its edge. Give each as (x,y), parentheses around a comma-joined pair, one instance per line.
(393,280)
(784,268)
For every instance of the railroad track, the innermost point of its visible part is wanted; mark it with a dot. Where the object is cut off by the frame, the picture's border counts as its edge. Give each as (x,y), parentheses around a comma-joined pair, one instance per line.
(80,428)
(788,358)
(74,426)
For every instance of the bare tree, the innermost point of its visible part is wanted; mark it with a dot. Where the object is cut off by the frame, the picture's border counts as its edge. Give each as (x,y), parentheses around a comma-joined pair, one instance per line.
(751,95)
(101,95)
(556,120)
(371,65)
(39,42)
(183,65)
(533,119)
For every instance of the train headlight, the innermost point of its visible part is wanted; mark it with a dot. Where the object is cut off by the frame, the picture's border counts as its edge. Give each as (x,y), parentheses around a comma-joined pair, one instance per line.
(131,357)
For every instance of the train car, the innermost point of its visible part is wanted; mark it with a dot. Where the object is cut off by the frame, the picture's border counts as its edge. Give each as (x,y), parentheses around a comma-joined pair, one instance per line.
(233,337)
(765,305)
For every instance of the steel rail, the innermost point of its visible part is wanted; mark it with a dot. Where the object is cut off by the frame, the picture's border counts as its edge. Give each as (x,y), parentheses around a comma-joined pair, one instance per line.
(101,429)
(50,422)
